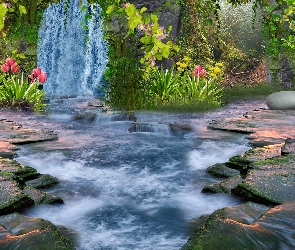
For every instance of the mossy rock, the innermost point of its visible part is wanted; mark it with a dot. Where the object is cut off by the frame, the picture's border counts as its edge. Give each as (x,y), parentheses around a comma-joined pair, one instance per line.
(12,199)
(21,232)
(221,170)
(224,186)
(41,197)
(269,186)
(249,226)
(238,162)
(43,181)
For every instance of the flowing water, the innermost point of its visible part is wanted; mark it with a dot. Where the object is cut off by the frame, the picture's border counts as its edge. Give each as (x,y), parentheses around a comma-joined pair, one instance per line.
(126,190)
(74,65)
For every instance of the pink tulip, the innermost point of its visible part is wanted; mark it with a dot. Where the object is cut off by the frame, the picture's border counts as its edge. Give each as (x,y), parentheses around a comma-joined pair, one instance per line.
(198,68)
(36,72)
(42,77)
(5,68)
(10,61)
(199,71)
(15,68)
(202,73)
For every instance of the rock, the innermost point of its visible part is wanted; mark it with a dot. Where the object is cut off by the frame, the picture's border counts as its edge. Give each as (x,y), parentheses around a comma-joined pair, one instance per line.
(14,133)
(179,129)
(21,232)
(238,162)
(288,147)
(271,181)
(282,100)
(224,186)
(23,172)
(249,226)
(41,197)
(96,103)
(12,199)
(87,116)
(7,150)
(149,128)
(265,127)
(43,181)
(221,170)
(124,117)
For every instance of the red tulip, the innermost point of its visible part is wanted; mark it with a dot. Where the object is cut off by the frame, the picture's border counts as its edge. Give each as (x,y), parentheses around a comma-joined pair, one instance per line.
(15,68)
(42,77)
(5,68)
(10,62)
(36,72)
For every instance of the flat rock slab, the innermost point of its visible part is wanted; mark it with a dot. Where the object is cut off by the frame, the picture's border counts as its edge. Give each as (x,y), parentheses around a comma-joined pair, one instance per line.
(249,226)
(7,149)
(264,126)
(43,181)
(12,199)
(23,172)
(14,133)
(271,181)
(21,232)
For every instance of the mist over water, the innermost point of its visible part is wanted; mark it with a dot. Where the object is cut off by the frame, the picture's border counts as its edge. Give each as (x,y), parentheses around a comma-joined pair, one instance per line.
(129,190)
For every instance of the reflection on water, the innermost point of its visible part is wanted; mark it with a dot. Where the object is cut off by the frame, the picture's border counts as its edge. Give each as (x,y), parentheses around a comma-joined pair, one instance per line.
(129,190)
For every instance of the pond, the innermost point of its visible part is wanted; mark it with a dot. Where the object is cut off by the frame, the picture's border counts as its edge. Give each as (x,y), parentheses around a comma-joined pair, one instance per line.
(125,190)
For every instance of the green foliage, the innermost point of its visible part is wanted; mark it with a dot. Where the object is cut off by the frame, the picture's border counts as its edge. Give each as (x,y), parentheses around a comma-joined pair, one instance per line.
(197,89)
(17,92)
(123,88)
(164,85)
(169,88)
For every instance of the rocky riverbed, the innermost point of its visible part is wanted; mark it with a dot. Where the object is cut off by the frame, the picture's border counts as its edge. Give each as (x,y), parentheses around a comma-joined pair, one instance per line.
(264,176)
(21,187)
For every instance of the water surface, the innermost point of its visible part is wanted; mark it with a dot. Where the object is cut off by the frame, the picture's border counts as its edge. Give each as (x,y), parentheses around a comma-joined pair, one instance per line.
(129,190)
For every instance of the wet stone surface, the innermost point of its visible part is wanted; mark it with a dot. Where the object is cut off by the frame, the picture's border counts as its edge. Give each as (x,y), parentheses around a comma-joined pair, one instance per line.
(266,179)
(19,190)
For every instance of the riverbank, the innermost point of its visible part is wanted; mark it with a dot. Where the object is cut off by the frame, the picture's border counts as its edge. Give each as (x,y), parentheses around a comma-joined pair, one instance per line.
(264,176)
(21,187)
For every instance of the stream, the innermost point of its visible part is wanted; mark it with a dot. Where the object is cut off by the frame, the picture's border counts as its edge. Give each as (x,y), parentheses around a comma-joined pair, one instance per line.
(124,190)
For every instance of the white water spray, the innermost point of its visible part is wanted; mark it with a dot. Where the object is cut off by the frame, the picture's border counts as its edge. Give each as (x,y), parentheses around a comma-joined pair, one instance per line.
(74,67)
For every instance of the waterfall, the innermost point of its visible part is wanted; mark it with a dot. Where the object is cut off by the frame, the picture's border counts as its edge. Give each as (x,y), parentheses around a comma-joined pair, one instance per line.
(74,66)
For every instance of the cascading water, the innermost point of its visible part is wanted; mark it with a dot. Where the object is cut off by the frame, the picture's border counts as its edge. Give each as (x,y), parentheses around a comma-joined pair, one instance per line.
(74,67)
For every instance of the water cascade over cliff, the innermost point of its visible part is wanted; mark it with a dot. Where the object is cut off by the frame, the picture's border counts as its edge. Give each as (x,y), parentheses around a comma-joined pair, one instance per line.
(74,67)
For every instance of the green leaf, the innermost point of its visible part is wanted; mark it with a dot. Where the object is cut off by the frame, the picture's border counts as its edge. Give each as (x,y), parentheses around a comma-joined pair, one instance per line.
(83,8)
(154,18)
(273,27)
(21,56)
(131,10)
(143,9)
(22,9)
(3,11)
(146,40)
(87,17)
(165,52)
(110,9)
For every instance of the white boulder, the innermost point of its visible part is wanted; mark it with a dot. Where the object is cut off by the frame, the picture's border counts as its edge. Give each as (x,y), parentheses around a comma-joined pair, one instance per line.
(281,100)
